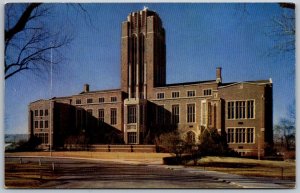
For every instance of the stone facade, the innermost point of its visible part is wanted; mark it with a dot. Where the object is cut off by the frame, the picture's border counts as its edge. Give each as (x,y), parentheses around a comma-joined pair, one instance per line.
(146,106)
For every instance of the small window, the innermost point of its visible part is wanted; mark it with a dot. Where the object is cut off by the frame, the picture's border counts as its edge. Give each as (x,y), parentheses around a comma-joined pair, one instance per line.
(90,111)
(78,101)
(190,93)
(89,101)
(101,100)
(160,95)
(113,99)
(36,113)
(207,92)
(175,94)
(46,112)
(41,113)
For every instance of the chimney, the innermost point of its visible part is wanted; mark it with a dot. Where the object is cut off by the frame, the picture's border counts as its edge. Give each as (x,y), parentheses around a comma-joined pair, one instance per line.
(219,75)
(86,88)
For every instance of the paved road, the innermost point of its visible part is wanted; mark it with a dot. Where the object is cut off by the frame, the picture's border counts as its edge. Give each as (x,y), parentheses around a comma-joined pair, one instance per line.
(76,173)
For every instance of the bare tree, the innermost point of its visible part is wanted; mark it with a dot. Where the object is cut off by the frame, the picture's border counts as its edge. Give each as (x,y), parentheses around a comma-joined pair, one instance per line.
(285,130)
(28,40)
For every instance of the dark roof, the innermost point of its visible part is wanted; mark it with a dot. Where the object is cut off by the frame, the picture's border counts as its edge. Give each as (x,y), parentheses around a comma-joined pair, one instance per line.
(97,91)
(251,81)
(188,83)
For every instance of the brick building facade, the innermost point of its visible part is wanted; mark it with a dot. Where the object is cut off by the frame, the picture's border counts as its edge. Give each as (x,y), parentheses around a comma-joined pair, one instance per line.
(146,105)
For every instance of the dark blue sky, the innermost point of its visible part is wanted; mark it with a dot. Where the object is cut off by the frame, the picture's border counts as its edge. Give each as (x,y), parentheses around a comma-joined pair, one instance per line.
(199,38)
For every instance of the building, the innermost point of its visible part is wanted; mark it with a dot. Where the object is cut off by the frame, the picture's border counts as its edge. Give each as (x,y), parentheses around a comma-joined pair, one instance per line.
(146,105)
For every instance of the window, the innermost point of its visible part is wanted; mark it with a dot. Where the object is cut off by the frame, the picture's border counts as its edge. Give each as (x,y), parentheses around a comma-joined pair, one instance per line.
(36,113)
(41,124)
(41,113)
(160,114)
(240,135)
(131,137)
(240,109)
(230,110)
(46,124)
(113,116)
(203,113)
(190,93)
(230,135)
(78,101)
(101,115)
(131,114)
(191,113)
(190,137)
(89,112)
(207,92)
(46,112)
(175,94)
(160,95)
(250,109)
(89,100)
(113,99)
(175,114)
(101,100)
(36,124)
(46,138)
(250,135)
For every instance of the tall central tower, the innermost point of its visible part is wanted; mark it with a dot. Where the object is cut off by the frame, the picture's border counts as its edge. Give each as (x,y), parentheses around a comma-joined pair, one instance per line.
(143,53)
(143,67)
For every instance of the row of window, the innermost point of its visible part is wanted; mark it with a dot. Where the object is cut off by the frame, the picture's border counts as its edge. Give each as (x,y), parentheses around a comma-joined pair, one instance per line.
(43,137)
(240,135)
(240,109)
(41,124)
(101,114)
(190,93)
(41,112)
(100,100)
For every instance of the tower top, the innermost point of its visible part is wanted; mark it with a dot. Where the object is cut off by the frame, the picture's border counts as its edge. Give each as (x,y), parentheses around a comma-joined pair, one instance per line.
(145,8)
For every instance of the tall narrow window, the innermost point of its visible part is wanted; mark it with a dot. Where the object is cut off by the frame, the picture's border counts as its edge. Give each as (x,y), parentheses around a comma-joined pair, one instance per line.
(190,137)
(175,114)
(160,114)
(230,135)
(46,112)
(131,114)
(41,124)
(250,109)
(101,115)
(113,116)
(230,110)
(204,113)
(41,113)
(46,124)
(250,135)
(36,113)
(36,124)
(191,113)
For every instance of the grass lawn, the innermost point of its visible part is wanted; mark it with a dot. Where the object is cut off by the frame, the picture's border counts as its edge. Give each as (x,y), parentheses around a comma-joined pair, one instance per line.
(249,167)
